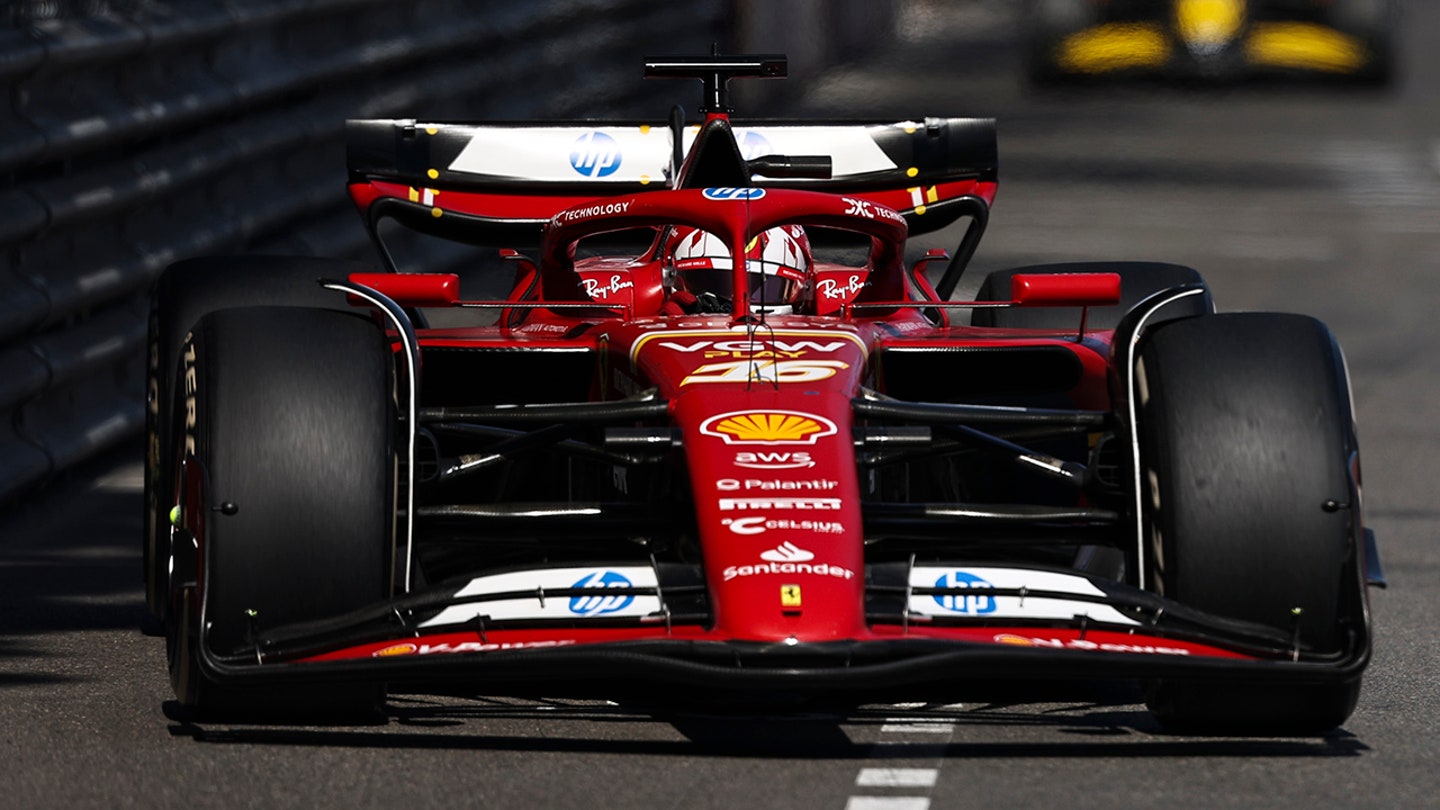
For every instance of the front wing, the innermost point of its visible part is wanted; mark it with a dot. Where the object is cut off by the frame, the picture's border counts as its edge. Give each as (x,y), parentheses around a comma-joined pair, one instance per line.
(928,628)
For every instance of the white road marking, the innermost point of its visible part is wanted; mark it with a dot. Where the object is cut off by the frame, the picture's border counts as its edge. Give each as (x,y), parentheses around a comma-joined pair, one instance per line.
(912,726)
(920,780)
(888,803)
(897,777)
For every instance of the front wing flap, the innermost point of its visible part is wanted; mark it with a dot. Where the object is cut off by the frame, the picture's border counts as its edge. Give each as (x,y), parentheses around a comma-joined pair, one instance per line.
(924,628)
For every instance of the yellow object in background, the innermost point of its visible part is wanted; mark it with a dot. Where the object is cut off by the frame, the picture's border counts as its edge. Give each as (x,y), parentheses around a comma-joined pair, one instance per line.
(1208,24)
(1306,47)
(1117,46)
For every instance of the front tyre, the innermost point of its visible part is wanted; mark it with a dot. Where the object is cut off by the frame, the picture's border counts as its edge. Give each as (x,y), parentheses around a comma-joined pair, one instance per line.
(289,495)
(184,293)
(1248,446)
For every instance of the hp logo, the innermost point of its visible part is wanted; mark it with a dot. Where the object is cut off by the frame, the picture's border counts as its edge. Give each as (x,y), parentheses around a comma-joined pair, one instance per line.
(595,154)
(965,603)
(754,145)
(733,193)
(596,604)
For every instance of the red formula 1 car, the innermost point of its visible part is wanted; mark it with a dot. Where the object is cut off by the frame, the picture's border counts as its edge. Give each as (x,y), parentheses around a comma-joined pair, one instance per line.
(718,436)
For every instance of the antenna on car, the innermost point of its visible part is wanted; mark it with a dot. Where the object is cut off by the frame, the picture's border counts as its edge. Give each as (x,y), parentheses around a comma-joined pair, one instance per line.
(715,72)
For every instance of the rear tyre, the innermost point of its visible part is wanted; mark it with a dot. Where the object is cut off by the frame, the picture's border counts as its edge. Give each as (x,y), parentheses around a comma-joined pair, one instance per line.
(1246,440)
(295,471)
(185,293)
(1138,281)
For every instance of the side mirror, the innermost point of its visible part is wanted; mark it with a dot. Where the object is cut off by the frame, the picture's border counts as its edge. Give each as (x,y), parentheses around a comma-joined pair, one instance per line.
(412,289)
(1065,289)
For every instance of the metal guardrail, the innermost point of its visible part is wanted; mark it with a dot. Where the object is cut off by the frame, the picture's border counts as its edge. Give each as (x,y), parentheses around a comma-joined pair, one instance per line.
(138,132)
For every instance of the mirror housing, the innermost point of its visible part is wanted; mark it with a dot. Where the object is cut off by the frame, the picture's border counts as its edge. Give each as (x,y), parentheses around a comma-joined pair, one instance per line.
(412,289)
(1065,289)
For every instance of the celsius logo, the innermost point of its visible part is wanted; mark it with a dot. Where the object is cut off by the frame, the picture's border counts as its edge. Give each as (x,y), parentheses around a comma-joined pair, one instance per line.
(753,145)
(787,552)
(964,602)
(596,604)
(760,525)
(746,525)
(595,154)
(733,193)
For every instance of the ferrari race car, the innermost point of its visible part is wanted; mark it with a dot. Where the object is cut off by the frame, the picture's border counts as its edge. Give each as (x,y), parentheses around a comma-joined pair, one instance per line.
(1212,39)
(719,438)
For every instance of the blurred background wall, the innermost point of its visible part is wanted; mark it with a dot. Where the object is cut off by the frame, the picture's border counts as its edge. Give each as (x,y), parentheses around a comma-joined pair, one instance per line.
(137,132)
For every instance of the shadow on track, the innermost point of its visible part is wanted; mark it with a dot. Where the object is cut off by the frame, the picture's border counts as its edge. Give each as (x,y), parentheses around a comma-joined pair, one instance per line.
(1067,731)
(69,561)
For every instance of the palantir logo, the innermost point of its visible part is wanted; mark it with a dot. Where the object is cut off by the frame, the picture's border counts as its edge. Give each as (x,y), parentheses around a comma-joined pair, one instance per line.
(595,154)
(591,604)
(963,602)
(733,193)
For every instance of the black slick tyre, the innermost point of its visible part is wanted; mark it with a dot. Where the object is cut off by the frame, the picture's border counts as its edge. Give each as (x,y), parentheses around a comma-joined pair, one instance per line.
(183,294)
(1247,443)
(292,447)
(1138,281)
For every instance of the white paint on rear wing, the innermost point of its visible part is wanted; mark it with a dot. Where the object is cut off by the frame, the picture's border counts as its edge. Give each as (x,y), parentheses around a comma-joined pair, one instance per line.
(567,154)
(642,154)
(851,149)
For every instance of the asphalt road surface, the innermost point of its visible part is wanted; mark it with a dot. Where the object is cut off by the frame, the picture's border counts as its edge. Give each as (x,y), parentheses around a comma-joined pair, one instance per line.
(1309,199)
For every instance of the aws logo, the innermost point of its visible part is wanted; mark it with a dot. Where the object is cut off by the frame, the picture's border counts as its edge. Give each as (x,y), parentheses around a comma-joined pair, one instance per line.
(768,427)
(778,460)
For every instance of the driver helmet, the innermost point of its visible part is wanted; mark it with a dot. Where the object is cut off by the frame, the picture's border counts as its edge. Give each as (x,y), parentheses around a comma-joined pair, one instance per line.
(777,264)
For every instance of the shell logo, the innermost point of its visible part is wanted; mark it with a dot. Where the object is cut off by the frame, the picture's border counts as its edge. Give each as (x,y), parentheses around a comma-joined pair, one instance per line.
(1020,641)
(768,427)
(396,649)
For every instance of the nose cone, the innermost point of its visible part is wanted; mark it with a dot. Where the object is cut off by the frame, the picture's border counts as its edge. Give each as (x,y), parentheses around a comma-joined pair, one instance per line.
(777,506)
(766,424)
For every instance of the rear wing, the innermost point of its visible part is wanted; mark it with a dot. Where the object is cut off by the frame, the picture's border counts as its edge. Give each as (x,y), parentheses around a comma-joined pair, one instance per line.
(497,183)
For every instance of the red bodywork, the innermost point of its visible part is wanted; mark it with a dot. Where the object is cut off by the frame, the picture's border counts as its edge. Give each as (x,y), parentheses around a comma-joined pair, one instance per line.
(762,404)
(740,491)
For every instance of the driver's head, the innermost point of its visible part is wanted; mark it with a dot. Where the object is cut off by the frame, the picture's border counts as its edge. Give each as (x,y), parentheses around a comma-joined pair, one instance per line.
(777,264)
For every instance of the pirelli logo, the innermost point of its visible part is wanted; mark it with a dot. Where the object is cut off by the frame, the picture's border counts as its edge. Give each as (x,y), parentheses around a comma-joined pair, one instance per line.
(747,504)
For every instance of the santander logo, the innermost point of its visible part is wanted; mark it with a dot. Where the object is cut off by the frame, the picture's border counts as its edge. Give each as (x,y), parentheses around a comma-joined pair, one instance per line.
(787,552)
